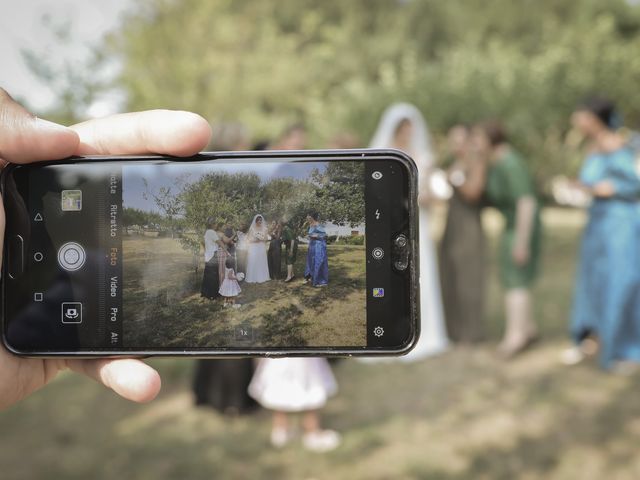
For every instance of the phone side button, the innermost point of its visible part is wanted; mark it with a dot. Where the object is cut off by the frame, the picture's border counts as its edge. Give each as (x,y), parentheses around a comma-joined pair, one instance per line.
(15,253)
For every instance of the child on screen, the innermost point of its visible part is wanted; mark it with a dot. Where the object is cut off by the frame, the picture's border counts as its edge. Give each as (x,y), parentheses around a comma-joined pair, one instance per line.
(230,287)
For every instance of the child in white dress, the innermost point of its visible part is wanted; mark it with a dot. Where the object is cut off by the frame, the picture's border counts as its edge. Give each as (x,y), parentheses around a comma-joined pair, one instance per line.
(230,287)
(296,385)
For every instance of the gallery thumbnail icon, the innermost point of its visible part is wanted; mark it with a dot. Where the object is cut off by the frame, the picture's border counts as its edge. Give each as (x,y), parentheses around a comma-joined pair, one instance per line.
(378,292)
(71,200)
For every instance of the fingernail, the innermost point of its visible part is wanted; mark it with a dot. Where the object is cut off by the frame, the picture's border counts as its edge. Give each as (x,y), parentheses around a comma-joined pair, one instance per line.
(51,126)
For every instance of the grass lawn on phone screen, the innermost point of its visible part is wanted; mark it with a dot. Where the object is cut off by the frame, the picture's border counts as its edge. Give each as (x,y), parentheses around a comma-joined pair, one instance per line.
(162,300)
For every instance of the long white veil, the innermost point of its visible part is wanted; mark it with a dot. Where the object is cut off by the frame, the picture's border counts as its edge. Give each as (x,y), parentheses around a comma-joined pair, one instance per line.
(421,150)
(433,338)
(253,229)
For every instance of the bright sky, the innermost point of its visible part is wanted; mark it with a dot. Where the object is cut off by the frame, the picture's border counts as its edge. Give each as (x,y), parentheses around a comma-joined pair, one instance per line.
(23,26)
(156,177)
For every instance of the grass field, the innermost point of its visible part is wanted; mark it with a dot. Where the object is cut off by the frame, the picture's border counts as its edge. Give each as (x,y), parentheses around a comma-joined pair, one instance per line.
(163,303)
(462,415)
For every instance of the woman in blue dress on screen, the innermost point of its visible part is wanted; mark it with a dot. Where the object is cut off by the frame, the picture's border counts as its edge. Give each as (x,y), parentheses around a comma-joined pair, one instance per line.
(606,310)
(316,271)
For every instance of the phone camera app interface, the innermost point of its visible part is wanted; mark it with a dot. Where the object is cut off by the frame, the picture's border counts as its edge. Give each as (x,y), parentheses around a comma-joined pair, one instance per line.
(144,256)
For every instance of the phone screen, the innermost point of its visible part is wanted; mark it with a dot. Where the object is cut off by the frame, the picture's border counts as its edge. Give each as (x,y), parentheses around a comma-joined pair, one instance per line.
(228,254)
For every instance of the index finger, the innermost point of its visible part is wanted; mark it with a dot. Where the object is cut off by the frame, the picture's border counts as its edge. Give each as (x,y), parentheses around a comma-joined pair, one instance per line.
(167,132)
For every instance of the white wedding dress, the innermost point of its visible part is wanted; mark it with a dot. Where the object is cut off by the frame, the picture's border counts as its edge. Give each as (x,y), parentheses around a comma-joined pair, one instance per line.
(433,336)
(257,264)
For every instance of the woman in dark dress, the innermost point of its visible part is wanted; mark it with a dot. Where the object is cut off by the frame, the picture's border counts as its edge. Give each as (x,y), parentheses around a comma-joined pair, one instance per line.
(274,254)
(462,255)
(222,384)
(230,240)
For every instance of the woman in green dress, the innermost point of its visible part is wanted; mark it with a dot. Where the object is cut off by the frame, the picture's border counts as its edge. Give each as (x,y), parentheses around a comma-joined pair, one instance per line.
(510,189)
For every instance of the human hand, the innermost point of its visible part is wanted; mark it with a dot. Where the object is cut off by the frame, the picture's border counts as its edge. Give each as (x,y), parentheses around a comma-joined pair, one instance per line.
(603,189)
(456,177)
(520,255)
(24,139)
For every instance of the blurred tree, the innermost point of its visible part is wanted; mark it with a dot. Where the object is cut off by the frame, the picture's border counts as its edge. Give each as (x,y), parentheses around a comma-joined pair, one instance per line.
(75,85)
(337,194)
(286,198)
(341,192)
(336,65)
(232,198)
(136,217)
(168,202)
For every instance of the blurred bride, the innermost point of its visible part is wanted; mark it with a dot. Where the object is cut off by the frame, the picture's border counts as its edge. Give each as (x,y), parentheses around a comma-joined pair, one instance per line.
(403,127)
(257,264)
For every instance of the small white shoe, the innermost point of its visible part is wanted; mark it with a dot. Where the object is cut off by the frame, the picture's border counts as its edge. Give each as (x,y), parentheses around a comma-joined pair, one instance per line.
(572,356)
(280,437)
(321,441)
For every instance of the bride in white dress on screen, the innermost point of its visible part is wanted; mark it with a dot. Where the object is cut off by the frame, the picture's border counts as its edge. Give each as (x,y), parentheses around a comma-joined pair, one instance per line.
(257,265)
(403,127)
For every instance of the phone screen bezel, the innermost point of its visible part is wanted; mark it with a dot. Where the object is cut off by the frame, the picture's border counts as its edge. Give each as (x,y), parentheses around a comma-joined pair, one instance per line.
(411,312)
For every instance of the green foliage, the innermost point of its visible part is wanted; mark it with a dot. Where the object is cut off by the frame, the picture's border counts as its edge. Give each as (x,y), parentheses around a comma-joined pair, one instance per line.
(232,198)
(345,240)
(134,216)
(289,199)
(76,84)
(342,202)
(337,64)
(337,194)
(351,240)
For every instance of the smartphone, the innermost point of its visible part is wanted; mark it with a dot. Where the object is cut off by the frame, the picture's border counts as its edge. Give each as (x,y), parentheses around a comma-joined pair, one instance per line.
(266,253)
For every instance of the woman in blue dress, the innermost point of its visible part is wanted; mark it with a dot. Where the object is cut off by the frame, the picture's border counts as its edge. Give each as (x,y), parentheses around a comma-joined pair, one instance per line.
(607,297)
(316,271)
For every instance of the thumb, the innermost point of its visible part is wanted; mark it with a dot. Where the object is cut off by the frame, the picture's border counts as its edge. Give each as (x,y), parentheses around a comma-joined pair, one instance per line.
(25,138)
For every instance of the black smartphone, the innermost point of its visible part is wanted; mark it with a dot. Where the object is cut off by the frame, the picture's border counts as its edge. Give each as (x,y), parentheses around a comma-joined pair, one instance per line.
(221,254)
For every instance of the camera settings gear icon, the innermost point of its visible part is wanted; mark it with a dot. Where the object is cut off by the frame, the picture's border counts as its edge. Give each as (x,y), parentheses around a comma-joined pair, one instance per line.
(378,331)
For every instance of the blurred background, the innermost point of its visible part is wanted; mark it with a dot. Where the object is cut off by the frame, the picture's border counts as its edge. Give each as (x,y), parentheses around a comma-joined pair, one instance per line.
(335,66)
